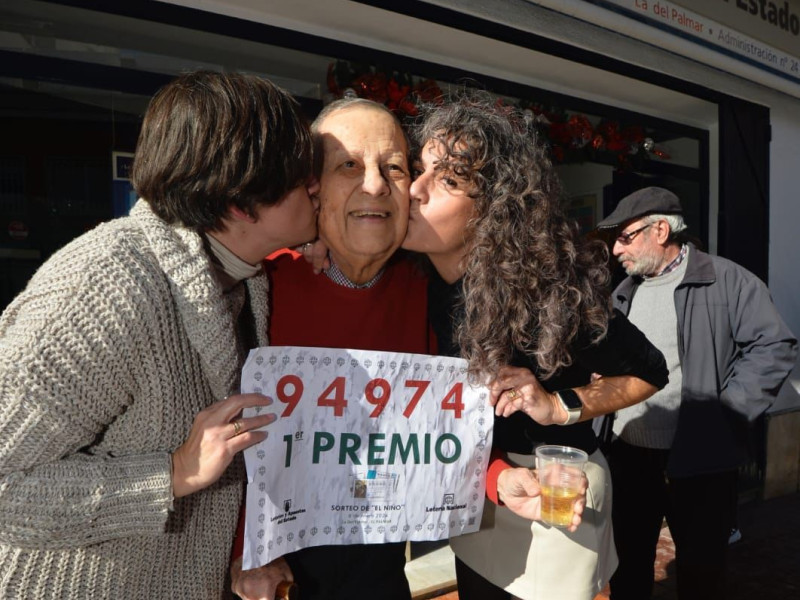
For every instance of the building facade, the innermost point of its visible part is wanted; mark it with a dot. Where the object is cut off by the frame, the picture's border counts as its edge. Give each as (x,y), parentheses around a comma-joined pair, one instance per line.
(629,93)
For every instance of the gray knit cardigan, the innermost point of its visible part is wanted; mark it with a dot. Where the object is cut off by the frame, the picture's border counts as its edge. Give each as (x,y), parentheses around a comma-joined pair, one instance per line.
(117,342)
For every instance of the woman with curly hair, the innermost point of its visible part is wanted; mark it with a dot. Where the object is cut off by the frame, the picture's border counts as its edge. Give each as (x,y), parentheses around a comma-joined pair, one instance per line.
(525,300)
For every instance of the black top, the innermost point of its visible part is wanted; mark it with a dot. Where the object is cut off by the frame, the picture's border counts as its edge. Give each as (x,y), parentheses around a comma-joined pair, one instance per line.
(623,351)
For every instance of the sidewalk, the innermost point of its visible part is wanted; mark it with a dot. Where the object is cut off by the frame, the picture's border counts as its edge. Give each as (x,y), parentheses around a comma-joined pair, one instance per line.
(764,565)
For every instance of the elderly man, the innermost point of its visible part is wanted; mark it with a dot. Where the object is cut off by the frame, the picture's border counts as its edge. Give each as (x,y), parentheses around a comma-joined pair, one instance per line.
(728,351)
(367,299)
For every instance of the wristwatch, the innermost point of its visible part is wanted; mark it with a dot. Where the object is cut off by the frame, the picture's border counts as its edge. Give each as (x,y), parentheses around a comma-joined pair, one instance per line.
(572,405)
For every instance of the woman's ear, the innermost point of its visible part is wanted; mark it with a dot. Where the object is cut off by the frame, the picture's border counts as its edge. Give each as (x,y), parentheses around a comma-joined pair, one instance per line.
(238,214)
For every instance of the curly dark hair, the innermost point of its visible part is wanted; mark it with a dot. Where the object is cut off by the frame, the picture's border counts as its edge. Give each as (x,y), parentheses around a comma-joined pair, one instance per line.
(531,284)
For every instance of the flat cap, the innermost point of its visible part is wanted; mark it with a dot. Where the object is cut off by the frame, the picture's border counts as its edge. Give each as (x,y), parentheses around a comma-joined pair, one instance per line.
(647,201)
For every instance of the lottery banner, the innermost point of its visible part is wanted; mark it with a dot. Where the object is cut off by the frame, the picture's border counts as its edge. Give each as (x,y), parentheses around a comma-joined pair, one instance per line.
(369,447)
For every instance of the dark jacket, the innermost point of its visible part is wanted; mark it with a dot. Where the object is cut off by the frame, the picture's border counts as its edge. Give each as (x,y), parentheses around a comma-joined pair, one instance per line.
(735,352)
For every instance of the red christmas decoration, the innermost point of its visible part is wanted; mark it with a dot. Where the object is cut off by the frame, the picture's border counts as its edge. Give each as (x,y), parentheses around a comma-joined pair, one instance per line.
(372,86)
(575,132)
(559,134)
(611,134)
(580,131)
(661,153)
(633,135)
(428,91)
(396,92)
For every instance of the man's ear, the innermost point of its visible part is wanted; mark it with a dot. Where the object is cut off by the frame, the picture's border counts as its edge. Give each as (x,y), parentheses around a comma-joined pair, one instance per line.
(240,215)
(661,230)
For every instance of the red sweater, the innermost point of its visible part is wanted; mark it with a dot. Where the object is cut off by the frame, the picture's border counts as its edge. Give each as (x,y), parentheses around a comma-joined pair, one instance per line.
(312,310)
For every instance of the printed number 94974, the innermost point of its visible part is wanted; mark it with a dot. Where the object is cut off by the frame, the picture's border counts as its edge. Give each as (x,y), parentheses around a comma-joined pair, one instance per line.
(377,392)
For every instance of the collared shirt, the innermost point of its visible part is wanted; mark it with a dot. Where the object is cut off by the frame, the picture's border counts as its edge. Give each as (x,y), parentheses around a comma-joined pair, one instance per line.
(674,264)
(335,274)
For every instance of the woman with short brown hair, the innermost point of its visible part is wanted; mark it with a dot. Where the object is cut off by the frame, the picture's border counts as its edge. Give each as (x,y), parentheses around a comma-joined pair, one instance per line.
(120,361)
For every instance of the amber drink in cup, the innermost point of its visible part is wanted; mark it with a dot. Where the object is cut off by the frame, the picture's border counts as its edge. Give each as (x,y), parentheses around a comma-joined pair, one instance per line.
(560,472)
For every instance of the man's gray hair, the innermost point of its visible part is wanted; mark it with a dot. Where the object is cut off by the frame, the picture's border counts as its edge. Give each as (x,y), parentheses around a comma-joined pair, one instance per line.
(346,103)
(676,222)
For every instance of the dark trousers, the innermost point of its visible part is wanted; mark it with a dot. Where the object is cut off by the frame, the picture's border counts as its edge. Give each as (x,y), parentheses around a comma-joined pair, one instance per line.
(356,572)
(472,586)
(698,510)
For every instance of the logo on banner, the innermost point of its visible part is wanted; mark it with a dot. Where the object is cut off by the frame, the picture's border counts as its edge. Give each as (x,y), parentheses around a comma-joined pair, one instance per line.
(448,504)
(288,514)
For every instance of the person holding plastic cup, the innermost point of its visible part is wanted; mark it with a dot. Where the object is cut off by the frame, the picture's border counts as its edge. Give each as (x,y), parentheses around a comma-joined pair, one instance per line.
(517,293)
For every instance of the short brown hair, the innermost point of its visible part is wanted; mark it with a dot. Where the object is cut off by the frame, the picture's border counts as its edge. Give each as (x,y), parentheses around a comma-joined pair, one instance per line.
(210,141)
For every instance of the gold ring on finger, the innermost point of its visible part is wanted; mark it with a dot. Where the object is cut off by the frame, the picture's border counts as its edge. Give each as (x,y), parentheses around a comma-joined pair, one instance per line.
(237,427)
(512,393)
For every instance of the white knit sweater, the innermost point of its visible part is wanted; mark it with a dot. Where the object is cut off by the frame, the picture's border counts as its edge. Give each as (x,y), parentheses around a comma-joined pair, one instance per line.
(118,341)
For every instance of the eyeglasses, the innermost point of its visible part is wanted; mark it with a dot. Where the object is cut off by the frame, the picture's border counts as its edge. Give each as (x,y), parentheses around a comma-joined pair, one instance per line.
(627,238)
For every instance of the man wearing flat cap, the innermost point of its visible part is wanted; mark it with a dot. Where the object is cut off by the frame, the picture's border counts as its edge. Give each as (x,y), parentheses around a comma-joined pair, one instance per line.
(676,454)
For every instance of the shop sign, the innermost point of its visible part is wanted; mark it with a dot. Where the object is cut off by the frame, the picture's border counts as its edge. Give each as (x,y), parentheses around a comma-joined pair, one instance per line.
(775,22)
(368,447)
(779,54)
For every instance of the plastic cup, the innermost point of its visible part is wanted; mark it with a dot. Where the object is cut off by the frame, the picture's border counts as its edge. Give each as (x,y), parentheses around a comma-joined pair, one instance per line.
(560,472)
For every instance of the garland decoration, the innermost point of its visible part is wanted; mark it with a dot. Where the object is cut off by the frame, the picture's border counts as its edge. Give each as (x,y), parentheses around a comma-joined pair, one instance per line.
(572,136)
(398,91)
